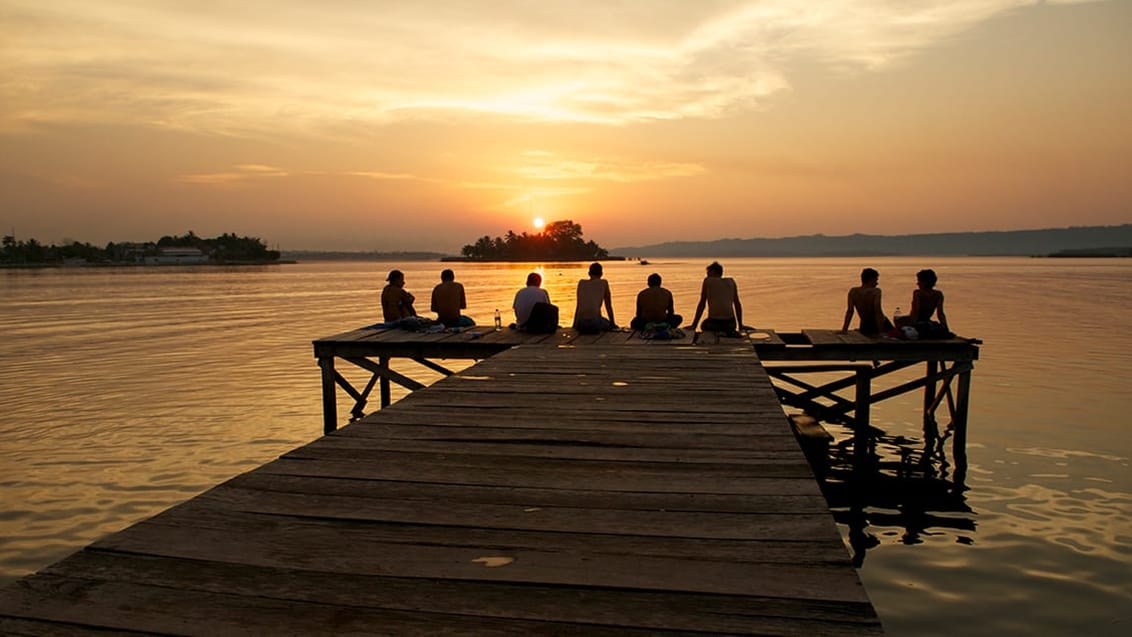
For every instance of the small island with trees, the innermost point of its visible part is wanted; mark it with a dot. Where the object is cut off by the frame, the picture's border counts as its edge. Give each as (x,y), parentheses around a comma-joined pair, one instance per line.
(559,241)
(187,249)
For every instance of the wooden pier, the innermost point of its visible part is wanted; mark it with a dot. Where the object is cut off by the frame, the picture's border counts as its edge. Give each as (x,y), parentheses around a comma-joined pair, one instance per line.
(861,360)
(565,485)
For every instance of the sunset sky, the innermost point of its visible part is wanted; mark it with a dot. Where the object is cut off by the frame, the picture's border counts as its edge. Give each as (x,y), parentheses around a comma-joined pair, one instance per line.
(370,125)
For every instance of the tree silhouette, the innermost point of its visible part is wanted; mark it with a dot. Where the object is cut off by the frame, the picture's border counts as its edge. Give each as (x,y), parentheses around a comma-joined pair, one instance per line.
(559,240)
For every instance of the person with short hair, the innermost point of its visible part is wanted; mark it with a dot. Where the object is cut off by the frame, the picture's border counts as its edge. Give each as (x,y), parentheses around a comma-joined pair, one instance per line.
(655,305)
(926,300)
(447,301)
(396,302)
(593,293)
(526,298)
(720,295)
(865,300)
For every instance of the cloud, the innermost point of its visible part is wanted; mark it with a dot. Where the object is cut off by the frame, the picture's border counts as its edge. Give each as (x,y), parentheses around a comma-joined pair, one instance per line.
(542,165)
(383,176)
(542,195)
(242,173)
(254,66)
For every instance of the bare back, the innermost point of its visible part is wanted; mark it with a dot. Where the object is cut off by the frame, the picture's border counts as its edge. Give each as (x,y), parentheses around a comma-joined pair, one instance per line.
(654,304)
(865,301)
(447,301)
(925,303)
(721,293)
(591,294)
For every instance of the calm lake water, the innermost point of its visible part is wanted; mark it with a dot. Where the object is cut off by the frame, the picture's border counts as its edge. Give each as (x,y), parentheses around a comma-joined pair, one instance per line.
(125,391)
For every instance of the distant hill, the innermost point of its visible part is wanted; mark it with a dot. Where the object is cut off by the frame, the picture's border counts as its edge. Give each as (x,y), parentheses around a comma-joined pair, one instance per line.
(1006,243)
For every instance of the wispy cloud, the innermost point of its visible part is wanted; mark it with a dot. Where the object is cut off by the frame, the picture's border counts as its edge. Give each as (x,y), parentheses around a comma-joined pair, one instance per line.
(241,173)
(544,165)
(384,176)
(260,64)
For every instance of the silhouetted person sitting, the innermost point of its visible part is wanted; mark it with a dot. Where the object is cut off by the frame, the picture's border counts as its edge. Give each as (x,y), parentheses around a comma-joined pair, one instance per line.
(926,301)
(655,305)
(447,301)
(865,301)
(721,297)
(396,302)
(593,293)
(533,311)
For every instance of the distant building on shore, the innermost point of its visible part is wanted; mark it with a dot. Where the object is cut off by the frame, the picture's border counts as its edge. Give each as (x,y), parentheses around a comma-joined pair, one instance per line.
(177,256)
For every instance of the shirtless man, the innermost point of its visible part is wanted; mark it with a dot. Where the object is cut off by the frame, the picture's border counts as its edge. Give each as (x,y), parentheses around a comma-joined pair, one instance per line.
(865,301)
(721,297)
(447,301)
(655,305)
(593,293)
(396,302)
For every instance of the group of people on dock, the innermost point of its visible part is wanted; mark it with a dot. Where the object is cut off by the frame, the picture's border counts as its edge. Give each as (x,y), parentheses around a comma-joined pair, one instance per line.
(865,301)
(655,307)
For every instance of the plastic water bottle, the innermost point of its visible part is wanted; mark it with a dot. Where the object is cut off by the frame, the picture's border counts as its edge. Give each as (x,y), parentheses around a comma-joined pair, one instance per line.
(498,321)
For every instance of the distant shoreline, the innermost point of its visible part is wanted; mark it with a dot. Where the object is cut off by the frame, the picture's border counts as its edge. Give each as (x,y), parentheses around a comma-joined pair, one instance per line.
(207,264)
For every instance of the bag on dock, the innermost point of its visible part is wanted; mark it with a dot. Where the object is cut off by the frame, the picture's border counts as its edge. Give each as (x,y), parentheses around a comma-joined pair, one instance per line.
(931,329)
(661,332)
(543,319)
(921,330)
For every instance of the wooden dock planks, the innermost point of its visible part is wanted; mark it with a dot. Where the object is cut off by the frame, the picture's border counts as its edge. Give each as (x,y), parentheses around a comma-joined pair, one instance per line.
(580,489)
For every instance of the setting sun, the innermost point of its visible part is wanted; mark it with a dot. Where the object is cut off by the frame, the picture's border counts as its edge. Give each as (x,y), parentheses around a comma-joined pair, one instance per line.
(538,223)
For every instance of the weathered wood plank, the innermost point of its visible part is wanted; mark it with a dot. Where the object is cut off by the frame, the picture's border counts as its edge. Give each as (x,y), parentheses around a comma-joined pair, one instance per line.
(637,424)
(347,448)
(740,526)
(164,610)
(532,445)
(558,414)
(699,479)
(611,607)
(20,627)
(308,547)
(394,432)
(527,496)
(826,551)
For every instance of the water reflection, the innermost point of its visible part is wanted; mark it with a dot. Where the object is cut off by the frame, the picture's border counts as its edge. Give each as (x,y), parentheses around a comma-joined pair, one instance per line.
(882,480)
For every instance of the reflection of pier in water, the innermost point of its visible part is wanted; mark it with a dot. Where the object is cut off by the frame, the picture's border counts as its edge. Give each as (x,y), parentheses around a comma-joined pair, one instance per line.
(898,483)
(870,477)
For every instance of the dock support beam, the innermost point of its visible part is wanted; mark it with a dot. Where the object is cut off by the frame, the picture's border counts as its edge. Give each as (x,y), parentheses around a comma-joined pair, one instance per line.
(384,373)
(862,440)
(959,420)
(329,395)
(930,427)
